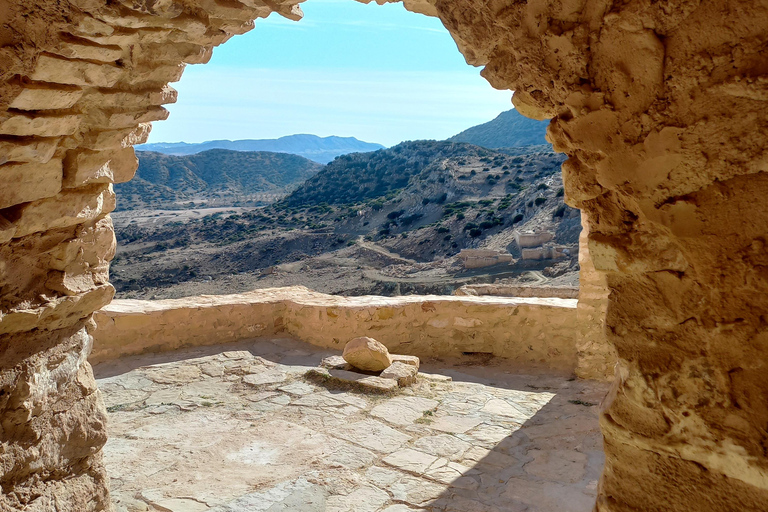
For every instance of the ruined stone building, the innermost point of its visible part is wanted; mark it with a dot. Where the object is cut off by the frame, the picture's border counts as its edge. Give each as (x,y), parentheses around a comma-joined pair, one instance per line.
(661,108)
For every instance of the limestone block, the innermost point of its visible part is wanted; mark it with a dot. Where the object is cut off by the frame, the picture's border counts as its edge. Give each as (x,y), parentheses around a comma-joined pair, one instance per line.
(404,374)
(75,72)
(127,38)
(181,52)
(30,181)
(367,354)
(131,119)
(127,137)
(369,382)
(77,280)
(88,26)
(163,8)
(125,100)
(156,74)
(56,313)
(87,167)
(43,98)
(337,362)
(193,27)
(410,360)
(94,246)
(92,52)
(52,414)
(40,126)
(36,150)
(68,208)
(236,10)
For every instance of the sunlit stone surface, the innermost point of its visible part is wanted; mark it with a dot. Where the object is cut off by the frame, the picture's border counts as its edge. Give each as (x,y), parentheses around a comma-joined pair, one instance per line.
(236,428)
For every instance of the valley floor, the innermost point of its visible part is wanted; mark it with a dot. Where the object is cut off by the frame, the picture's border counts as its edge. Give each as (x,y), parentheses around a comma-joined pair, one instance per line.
(311,258)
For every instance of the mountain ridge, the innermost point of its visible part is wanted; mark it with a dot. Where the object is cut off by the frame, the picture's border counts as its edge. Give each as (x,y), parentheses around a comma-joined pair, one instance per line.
(508,129)
(312,147)
(218,175)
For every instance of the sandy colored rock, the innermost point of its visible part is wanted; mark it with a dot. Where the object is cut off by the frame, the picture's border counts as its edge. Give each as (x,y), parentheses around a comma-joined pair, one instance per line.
(404,374)
(86,167)
(31,181)
(410,360)
(367,354)
(661,109)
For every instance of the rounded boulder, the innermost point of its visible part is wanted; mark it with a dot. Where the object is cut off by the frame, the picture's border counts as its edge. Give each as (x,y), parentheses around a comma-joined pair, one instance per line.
(367,354)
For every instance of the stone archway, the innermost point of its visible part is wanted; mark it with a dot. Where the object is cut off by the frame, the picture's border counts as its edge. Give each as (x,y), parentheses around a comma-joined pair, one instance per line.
(662,109)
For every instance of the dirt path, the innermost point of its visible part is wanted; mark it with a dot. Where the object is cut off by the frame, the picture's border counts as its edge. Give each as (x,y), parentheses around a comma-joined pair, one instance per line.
(383,251)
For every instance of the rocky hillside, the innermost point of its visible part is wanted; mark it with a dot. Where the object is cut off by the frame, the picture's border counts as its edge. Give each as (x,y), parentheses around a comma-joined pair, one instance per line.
(214,177)
(508,129)
(318,149)
(430,199)
(370,223)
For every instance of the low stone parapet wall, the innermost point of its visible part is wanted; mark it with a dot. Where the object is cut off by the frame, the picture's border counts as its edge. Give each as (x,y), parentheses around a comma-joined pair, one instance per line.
(531,331)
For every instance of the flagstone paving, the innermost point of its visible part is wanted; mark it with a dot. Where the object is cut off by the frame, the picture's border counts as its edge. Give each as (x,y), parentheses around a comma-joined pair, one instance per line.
(241,428)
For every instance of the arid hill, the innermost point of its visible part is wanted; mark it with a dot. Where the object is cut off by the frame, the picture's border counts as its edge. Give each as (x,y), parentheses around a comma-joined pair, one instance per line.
(218,177)
(357,227)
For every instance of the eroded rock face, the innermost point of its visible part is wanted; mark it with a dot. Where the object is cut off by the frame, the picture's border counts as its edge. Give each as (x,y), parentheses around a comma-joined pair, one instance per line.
(661,107)
(366,354)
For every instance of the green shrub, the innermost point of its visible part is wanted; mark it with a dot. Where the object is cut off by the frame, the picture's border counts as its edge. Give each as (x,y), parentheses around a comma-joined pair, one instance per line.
(475,232)
(540,201)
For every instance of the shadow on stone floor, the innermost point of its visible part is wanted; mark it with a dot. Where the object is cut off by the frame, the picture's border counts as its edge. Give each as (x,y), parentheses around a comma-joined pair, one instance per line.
(550,464)
(496,440)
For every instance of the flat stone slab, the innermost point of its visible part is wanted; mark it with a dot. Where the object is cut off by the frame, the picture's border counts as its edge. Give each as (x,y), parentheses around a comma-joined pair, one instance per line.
(241,427)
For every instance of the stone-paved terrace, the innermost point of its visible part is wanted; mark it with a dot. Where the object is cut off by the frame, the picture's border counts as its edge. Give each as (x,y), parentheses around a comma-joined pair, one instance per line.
(240,427)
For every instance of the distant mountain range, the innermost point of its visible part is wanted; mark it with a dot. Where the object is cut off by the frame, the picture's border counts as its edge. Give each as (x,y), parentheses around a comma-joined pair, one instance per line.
(312,147)
(215,176)
(509,129)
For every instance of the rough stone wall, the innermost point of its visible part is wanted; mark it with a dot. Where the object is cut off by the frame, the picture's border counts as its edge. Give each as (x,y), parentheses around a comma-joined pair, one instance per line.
(80,82)
(530,333)
(660,106)
(597,357)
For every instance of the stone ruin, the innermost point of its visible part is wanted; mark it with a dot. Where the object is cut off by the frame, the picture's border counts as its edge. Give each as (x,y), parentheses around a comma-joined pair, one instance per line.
(479,258)
(661,107)
(367,364)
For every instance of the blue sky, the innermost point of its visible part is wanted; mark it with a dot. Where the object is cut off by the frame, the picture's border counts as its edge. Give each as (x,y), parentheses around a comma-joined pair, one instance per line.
(378,73)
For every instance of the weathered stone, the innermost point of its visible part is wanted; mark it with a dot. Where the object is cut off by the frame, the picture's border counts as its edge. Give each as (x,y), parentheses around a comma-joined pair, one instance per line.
(264,378)
(68,208)
(442,445)
(410,360)
(335,362)
(641,98)
(86,167)
(404,410)
(31,181)
(89,52)
(373,435)
(44,98)
(75,72)
(39,126)
(361,380)
(410,461)
(111,139)
(367,354)
(404,374)
(37,150)
(55,314)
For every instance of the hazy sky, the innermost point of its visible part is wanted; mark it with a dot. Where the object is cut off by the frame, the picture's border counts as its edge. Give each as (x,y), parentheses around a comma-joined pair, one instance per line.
(378,73)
